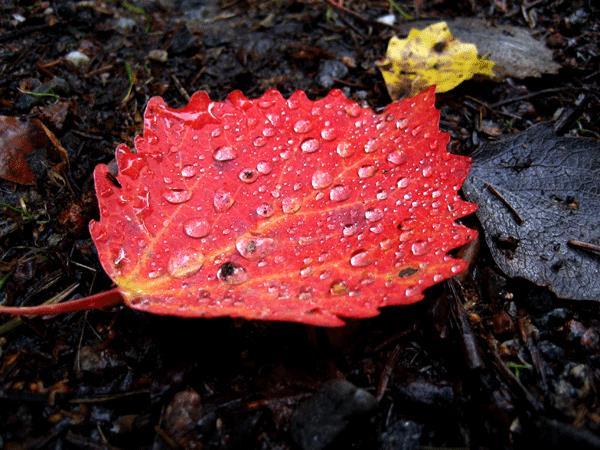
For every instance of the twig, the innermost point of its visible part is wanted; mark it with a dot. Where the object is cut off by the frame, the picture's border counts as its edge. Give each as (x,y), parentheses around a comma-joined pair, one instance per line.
(584,245)
(505,202)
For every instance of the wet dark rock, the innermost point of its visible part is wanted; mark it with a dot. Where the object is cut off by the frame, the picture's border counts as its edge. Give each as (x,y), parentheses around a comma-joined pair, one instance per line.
(95,361)
(401,435)
(590,339)
(575,330)
(181,416)
(555,318)
(329,71)
(551,351)
(183,41)
(426,394)
(318,421)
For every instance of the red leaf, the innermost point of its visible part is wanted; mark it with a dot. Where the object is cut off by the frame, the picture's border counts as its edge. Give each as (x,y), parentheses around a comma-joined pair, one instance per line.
(276,209)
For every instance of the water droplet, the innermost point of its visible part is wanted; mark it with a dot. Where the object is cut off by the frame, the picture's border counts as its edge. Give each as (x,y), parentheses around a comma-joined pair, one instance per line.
(373,214)
(302,126)
(361,258)
(411,291)
(306,271)
(214,133)
(353,110)
(367,171)
(188,171)
(339,193)
(419,248)
(386,244)
(370,146)
(456,268)
(177,196)
(196,228)
(402,182)
(259,141)
(185,263)
(338,288)
(427,171)
(344,149)
(401,123)
(255,247)
(397,157)
(350,229)
(268,132)
(222,201)
(264,168)
(376,229)
(381,195)
(225,153)
(248,176)
(231,273)
(265,210)
(321,179)
(264,104)
(290,205)
(310,145)
(328,134)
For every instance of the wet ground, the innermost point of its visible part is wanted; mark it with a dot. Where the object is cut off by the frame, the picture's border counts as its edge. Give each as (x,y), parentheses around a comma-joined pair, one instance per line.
(484,361)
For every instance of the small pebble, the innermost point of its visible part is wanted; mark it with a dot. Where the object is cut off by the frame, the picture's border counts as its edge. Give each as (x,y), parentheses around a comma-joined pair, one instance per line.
(158,55)
(77,58)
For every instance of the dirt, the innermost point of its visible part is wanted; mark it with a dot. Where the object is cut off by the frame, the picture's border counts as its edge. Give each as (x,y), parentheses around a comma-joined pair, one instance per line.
(484,361)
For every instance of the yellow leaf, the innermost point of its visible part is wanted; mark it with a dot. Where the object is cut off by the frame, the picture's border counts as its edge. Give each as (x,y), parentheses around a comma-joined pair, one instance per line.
(428,57)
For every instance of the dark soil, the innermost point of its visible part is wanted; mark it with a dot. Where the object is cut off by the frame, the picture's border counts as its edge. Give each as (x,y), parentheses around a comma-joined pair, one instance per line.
(484,362)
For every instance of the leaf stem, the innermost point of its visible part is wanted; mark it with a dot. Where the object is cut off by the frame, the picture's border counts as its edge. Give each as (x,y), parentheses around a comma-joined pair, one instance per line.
(96,301)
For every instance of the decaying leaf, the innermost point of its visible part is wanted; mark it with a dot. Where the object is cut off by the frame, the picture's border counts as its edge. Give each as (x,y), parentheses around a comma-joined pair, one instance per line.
(515,52)
(19,139)
(429,57)
(276,209)
(539,204)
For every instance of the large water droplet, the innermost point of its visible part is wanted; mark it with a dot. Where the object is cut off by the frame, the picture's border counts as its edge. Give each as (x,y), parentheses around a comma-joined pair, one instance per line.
(225,153)
(361,258)
(268,132)
(419,248)
(185,263)
(338,287)
(370,146)
(302,126)
(367,171)
(231,273)
(339,193)
(328,134)
(397,157)
(373,214)
(353,110)
(222,201)
(310,145)
(259,141)
(321,179)
(188,171)
(427,171)
(290,205)
(402,182)
(177,196)
(255,247)
(248,176)
(196,228)
(344,149)
(265,210)
(264,168)
(350,229)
